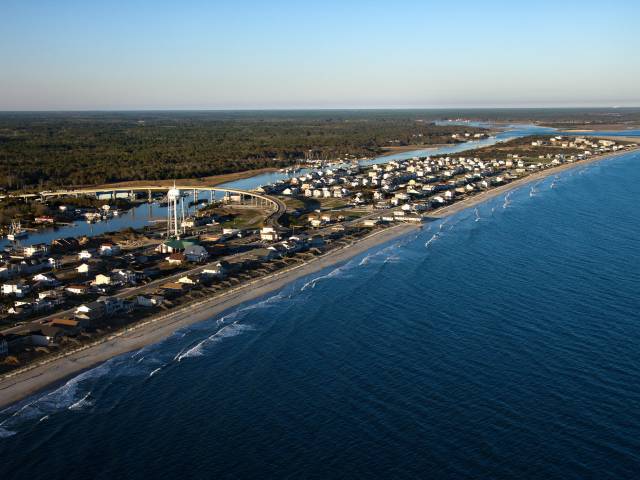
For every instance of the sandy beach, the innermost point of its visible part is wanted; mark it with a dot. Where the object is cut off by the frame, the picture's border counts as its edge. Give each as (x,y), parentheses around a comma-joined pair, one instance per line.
(21,384)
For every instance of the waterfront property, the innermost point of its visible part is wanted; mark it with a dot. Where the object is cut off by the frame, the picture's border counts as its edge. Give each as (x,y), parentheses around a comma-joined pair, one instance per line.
(110,282)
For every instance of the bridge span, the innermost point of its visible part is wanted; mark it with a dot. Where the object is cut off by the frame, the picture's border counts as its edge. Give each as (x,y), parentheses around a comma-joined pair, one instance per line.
(246,197)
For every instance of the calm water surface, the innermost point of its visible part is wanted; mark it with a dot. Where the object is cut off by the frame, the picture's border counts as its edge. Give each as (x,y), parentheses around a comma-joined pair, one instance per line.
(501,342)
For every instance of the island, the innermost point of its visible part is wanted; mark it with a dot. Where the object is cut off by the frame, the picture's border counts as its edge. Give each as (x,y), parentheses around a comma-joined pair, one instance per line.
(78,300)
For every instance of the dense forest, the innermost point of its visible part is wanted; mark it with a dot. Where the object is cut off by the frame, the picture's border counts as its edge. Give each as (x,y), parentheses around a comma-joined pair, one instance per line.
(49,150)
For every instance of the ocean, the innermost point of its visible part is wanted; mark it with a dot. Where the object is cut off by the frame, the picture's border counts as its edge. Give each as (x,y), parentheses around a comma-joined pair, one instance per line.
(501,342)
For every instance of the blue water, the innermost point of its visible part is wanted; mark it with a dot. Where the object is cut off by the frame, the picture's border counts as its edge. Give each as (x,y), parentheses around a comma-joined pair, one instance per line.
(501,342)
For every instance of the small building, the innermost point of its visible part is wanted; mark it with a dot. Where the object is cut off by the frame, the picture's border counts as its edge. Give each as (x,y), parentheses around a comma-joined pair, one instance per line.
(77,289)
(218,270)
(370,222)
(44,279)
(196,253)
(109,249)
(68,326)
(55,263)
(18,288)
(102,279)
(174,245)
(114,305)
(149,300)
(189,280)
(264,254)
(83,268)
(124,276)
(269,234)
(171,289)
(90,312)
(84,255)
(36,250)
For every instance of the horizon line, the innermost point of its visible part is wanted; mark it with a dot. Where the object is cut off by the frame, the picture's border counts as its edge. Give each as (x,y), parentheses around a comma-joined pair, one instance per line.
(311,108)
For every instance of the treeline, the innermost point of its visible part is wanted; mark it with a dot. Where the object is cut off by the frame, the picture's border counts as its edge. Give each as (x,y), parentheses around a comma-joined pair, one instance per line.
(52,150)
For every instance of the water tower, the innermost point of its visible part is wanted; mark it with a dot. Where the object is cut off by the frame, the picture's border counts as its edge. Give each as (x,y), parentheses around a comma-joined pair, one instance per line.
(172,212)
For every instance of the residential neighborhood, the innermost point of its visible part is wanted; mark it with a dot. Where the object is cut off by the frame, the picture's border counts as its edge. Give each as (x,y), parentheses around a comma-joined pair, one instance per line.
(60,295)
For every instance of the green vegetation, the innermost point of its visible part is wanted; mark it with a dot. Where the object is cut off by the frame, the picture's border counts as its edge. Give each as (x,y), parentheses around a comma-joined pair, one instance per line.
(51,150)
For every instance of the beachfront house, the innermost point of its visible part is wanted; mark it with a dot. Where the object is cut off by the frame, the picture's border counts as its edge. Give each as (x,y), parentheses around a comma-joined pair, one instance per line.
(218,270)
(90,312)
(149,301)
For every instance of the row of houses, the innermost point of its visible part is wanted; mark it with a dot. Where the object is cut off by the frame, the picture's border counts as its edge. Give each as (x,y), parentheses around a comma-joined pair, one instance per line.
(423,183)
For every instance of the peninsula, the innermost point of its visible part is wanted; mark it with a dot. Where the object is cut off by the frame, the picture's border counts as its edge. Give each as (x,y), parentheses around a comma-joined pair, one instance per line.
(102,296)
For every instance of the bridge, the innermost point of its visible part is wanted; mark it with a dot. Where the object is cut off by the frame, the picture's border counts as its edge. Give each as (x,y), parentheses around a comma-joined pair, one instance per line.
(244,197)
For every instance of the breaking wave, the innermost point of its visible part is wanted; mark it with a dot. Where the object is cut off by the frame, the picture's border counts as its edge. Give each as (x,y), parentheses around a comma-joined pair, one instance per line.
(83,402)
(230,330)
(72,395)
(332,274)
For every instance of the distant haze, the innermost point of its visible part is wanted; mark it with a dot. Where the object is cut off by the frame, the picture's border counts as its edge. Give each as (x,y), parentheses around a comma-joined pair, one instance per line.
(80,55)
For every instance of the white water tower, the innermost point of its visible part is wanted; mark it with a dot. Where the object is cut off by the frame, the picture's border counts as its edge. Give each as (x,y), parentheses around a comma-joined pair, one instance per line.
(173,195)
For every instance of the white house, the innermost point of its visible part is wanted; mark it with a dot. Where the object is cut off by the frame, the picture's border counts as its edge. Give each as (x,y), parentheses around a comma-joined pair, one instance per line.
(124,276)
(215,271)
(43,278)
(188,280)
(109,249)
(84,255)
(78,289)
(55,263)
(36,250)
(370,222)
(269,234)
(102,279)
(18,289)
(83,268)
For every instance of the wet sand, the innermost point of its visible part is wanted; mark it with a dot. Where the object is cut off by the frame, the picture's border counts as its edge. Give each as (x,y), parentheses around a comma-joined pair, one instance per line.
(15,387)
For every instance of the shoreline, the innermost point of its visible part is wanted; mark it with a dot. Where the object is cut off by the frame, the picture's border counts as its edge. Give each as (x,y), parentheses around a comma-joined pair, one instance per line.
(56,370)
(22,384)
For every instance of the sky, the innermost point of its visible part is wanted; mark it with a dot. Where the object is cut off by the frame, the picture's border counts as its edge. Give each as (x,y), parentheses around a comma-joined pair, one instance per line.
(249,54)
